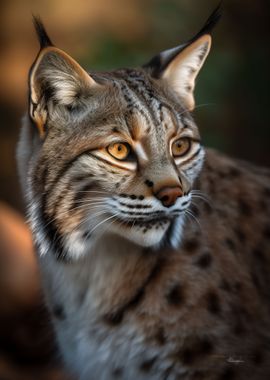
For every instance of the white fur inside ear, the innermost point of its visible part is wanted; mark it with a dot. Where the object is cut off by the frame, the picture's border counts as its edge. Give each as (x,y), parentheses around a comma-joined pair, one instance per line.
(66,87)
(184,68)
(61,75)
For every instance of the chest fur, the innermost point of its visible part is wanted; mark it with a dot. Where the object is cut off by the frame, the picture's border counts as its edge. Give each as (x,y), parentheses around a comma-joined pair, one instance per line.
(100,330)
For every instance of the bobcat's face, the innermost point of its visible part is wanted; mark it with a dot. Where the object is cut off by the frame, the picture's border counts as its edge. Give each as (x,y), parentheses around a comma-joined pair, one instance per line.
(116,153)
(127,168)
(141,173)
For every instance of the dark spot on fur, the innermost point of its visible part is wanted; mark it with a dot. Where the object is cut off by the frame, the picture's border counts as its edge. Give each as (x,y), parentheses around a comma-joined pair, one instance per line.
(230,244)
(213,303)
(241,235)
(117,372)
(234,172)
(115,130)
(204,261)
(239,328)
(208,209)
(117,185)
(228,374)
(175,295)
(191,245)
(160,336)
(224,285)
(205,346)
(141,197)
(256,281)
(188,356)
(258,253)
(245,208)
(237,286)
(58,312)
(194,349)
(147,365)
(149,183)
(113,319)
(133,196)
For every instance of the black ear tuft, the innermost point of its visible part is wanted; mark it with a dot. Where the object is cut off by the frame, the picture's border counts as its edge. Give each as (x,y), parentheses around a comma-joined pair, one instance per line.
(210,23)
(159,63)
(44,39)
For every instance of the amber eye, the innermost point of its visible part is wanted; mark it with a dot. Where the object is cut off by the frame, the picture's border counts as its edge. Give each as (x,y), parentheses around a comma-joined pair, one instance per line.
(181,147)
(120,151)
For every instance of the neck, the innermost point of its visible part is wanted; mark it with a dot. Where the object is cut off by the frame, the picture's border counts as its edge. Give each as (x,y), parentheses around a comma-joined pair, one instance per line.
(111,278)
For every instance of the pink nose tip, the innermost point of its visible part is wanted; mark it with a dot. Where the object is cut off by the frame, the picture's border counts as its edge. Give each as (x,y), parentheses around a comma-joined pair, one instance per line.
(169,195)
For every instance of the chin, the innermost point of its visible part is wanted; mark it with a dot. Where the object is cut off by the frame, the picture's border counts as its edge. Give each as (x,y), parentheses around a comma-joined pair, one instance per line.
(146,235)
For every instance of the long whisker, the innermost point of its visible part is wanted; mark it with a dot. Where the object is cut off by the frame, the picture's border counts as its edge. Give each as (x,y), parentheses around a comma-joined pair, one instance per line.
(92,199)
(92,191)
(201,195)
(202,198)
(194,217)
(100,223)
(89,206)
(77,227)
(198,106)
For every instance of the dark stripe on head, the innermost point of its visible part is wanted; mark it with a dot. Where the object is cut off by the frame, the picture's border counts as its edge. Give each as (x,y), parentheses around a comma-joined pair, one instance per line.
(81,194)
(65,168)
(192,157)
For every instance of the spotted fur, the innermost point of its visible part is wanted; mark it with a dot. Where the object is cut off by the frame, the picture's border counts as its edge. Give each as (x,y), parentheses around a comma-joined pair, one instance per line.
(139,288)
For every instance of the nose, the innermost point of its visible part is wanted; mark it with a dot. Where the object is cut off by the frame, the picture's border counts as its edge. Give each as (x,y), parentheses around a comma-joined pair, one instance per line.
(169,195)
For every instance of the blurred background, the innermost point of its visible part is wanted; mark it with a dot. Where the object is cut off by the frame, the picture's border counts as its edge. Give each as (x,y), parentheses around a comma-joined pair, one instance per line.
(232,97)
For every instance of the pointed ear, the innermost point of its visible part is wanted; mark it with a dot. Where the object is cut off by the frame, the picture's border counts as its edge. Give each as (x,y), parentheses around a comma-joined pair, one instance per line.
(182,71)
(179,66)
(55,78)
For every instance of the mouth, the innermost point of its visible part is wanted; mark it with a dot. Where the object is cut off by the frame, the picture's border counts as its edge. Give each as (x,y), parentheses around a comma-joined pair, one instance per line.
(141,222)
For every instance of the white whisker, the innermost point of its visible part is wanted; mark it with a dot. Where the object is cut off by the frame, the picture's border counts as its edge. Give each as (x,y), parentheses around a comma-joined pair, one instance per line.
(188,212)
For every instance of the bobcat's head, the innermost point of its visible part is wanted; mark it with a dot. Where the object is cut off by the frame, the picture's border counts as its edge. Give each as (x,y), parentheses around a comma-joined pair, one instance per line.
(112,152)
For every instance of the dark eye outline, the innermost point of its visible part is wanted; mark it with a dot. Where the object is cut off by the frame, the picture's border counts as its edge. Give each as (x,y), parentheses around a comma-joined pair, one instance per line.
(130,157)
(186,151)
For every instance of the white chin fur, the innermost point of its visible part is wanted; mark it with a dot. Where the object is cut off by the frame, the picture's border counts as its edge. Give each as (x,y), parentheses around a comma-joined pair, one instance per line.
(135,234)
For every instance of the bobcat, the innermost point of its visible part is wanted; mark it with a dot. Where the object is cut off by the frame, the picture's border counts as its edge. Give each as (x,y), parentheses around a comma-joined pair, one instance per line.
(153,251)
